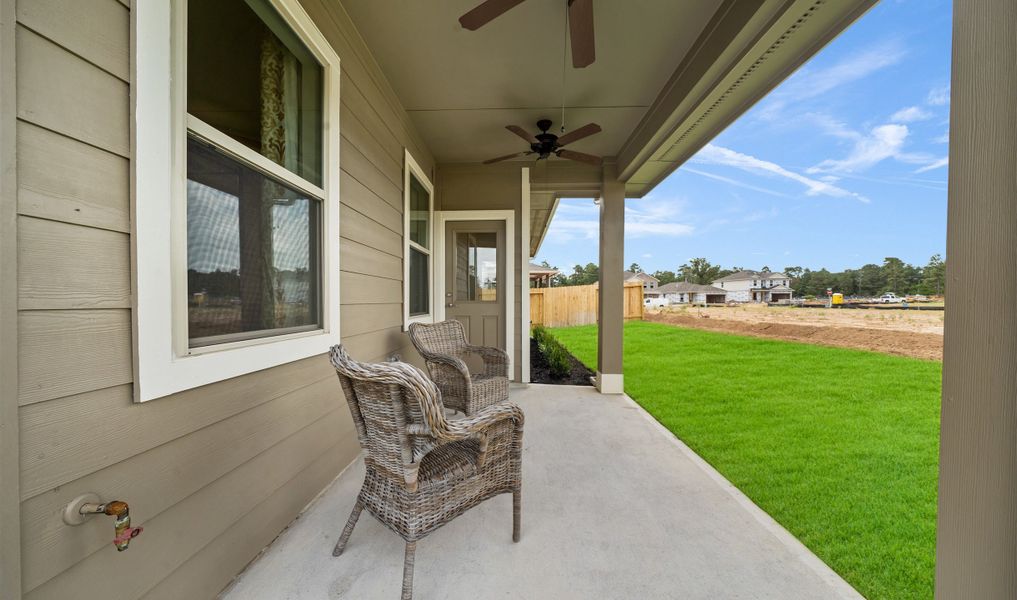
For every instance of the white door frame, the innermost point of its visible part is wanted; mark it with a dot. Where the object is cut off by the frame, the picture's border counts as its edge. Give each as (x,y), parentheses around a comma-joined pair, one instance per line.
(509,216)
(524,283)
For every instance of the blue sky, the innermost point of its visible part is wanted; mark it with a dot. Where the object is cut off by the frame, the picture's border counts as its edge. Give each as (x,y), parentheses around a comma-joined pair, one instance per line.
(843,164)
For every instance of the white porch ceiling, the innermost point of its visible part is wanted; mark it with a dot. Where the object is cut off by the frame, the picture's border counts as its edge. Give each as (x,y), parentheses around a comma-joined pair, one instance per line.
(461,88)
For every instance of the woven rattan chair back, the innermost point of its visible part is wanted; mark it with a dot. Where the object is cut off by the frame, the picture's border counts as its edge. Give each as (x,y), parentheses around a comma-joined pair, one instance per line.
(423,470)
(393,406)
(447,337)
(444,348)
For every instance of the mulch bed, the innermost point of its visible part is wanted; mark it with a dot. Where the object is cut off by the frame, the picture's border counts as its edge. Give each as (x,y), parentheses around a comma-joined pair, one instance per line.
(541,373)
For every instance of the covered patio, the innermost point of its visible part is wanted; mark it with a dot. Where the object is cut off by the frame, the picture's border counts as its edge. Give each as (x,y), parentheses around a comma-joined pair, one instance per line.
(614,506)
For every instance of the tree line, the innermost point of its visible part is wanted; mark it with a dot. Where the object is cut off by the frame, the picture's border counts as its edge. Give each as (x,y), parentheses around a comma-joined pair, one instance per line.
(894,275)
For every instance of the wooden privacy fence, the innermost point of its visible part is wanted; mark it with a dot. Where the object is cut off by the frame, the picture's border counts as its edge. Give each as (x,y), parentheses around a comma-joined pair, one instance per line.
(577,305)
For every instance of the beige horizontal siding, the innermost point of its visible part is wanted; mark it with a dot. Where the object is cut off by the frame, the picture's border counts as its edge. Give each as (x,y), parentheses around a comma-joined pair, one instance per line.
(360,228)
(154,481)
(69,266)
(64,352)
(96,30)
(61,92)
(359,258)
(368,174)
(177,534)
(203,574)
(362,199)
(78,435)
(213,473)
(90,187)
(357,288)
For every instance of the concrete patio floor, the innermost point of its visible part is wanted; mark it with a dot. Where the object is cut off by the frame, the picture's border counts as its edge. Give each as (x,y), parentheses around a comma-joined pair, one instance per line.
(613,507)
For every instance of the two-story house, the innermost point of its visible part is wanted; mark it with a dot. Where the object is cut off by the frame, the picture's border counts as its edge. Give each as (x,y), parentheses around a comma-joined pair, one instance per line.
(649,282)
(756,286)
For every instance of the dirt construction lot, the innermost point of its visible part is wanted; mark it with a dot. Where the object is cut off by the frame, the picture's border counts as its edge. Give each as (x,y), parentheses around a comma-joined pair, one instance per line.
(918,334)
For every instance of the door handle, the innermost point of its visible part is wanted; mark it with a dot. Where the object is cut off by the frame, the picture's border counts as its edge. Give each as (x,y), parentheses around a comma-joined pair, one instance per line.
(450,305)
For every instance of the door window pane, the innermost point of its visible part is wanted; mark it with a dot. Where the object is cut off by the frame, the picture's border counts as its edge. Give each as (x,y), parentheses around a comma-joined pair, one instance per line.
(420,215)
(252,252)
(476,267)
(250,77)
(420,293)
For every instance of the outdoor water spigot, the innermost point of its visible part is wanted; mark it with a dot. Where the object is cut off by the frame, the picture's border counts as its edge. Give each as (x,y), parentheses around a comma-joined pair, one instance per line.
(83,506)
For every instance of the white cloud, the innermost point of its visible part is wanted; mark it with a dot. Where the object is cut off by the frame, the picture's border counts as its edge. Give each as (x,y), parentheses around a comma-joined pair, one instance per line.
(655,217)
(943,139)
(910,114)
(647,255)
(717,155)
(733,182)
(939,96)
(884,141)
(582,222)
(809,83)
(831,126)
(942,162)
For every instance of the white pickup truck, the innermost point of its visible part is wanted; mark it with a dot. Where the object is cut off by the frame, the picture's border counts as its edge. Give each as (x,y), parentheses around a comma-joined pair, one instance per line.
(890,298)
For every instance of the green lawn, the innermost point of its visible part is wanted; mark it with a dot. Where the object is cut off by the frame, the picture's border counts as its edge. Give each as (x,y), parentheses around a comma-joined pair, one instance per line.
(840,446)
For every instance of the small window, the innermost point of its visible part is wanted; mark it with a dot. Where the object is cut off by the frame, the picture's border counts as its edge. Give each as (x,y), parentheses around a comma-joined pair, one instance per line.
(418,225)
(476,277)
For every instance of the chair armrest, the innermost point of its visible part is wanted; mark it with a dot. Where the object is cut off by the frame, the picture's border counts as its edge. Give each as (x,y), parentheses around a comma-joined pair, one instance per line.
(445,367)
(478,424)
(496,360)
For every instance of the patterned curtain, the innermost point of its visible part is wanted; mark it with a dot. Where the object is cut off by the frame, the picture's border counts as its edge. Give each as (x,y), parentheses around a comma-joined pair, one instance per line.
(279,143)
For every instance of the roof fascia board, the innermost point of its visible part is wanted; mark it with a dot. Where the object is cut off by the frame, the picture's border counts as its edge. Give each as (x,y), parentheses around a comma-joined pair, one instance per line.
(782,36)
(723,42)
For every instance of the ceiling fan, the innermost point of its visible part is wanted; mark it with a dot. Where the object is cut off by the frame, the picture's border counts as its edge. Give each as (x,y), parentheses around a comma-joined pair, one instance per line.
(545,144)
(580,18)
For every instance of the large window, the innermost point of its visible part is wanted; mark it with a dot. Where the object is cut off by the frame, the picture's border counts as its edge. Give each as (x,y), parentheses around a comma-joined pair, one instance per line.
(254,92)
(418,250)
(236,197)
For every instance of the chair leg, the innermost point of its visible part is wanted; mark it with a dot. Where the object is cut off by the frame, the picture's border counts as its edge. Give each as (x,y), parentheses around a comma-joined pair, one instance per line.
(411,548)
(350,524)
(516,512)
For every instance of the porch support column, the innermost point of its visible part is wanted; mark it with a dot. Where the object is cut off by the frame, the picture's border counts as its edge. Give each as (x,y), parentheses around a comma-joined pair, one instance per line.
(611,301)
(976,552)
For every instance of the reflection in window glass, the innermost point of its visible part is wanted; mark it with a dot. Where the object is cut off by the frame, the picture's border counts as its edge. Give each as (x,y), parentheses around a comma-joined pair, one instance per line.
(250,77)
(420,303)
(476,267)
(252,252)
(420,205)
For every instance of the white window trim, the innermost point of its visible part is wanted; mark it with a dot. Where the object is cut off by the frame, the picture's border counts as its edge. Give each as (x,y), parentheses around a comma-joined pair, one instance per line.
(162,363)
(413,168)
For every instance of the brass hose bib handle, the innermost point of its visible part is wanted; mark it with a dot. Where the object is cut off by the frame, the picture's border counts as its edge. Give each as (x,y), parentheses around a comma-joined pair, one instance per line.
(83,506)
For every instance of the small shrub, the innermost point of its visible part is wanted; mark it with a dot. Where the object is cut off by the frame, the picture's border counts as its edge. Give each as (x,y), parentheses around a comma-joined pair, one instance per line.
(558,358)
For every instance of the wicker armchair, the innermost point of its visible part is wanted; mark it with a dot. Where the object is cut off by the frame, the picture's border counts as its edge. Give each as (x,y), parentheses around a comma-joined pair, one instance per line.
(443,345)
(422,469)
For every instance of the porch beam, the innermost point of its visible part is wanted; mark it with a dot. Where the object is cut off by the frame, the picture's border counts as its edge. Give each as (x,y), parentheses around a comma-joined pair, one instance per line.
(611,301)
(976,551)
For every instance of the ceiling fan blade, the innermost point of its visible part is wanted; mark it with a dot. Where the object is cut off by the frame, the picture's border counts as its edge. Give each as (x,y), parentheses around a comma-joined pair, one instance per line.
(581,33)
(578,134)
(485,12)
(506,157)
(522,133)
(581,157)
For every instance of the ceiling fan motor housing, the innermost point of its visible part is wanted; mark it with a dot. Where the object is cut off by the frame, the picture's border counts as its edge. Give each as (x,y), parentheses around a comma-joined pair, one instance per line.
(547,143)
